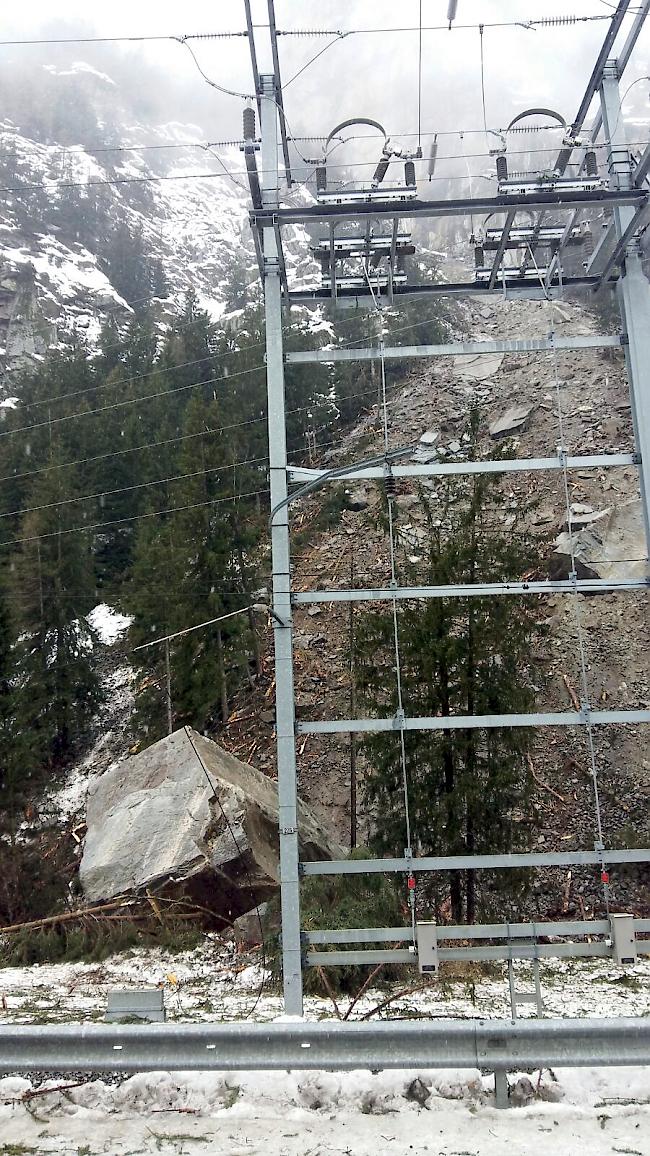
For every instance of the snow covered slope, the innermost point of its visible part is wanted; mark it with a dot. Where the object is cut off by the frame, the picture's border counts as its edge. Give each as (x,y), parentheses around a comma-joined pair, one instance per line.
(63,206)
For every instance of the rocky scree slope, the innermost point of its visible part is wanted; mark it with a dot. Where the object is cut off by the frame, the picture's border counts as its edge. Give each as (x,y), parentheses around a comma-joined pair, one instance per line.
(431,408)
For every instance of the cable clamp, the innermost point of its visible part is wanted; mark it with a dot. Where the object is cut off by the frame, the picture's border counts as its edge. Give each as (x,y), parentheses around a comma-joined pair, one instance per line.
(399,720)
(288,830)
(585,712)
(562,455)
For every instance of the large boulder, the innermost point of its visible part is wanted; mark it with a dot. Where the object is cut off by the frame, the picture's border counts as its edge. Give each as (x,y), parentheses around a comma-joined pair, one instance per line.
(187,817)
(611,545)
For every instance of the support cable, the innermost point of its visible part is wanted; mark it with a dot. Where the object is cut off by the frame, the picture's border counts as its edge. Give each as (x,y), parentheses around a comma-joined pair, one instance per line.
(485,127)
(420,77)
(390,496)
(582,658)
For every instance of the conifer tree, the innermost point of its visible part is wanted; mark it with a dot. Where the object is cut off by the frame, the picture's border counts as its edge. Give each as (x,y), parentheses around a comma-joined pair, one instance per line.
(53,588)
(458,656)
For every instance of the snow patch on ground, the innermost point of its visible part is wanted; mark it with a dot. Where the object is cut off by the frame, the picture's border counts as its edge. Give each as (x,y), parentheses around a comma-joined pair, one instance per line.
(322,1113)
(109,625)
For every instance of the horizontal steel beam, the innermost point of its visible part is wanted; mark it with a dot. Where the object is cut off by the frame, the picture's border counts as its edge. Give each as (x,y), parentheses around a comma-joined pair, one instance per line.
(336,1046)
(476,590)
(476,954)
(515,859)
(446,932)
(450,207)
(490,466)
(473,722)
(455,349)
(521,287)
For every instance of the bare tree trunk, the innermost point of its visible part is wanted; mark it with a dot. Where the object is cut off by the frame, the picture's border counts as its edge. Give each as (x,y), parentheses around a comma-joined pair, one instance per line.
(223,689)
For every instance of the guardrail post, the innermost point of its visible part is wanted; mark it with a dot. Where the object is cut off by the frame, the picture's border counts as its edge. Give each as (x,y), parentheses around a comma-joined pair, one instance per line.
(501,1089)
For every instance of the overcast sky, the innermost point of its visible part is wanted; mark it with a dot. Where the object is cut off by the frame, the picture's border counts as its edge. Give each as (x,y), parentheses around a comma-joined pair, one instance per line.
(371,75)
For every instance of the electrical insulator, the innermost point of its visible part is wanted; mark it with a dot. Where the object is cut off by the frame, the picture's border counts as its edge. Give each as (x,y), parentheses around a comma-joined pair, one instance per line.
(591,163)
(452,8)
(249,123)
(433,156)
(321,178)
(381,170)
(479,257)
(502,168)
(391,488)
(409,173)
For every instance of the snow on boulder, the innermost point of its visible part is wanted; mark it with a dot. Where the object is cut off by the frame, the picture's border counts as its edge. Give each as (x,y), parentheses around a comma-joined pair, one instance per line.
(189,816)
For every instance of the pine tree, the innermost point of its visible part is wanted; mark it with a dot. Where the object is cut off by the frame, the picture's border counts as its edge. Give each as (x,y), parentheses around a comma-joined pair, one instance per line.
(472,656)
(53,588)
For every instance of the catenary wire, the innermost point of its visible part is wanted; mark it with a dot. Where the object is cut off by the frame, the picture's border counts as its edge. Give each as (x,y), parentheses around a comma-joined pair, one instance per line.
(408,850)
(132,518)
(198,361)
(582,657)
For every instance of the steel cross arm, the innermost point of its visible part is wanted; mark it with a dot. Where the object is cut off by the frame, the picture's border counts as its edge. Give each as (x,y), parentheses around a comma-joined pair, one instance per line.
(593,84)
(251,42)
(501,248)
(278,91)
(472,722)
(441,469)
(639,220)
(450,207)
(641,171)
(514,860)
(334,1045)
(475,590)
(455,349)
(644,164)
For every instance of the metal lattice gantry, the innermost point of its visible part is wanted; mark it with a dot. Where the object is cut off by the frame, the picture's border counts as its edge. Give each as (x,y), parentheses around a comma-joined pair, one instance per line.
(380,274)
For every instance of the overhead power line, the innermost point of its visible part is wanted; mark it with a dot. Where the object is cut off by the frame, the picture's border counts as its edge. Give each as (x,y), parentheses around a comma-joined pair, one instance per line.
(132,488)
(128,401)
(133,518)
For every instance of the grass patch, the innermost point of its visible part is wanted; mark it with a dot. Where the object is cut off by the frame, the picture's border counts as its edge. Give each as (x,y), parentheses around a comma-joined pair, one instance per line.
(94,942)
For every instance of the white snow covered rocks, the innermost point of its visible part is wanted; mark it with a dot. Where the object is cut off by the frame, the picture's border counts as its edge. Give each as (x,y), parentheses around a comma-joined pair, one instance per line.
(189,816)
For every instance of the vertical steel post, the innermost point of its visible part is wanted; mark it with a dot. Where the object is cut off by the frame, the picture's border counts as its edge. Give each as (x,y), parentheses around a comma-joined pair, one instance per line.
(284,695)
(633,287)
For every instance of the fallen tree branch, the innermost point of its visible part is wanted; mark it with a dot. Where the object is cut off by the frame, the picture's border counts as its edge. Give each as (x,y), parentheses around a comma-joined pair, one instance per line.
(572,694)
(391,998)
(65,916)
(541,783)
(364,987)
(328,988)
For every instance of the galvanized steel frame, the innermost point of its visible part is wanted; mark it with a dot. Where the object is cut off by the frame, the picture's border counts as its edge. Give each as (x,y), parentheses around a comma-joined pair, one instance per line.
(628,202)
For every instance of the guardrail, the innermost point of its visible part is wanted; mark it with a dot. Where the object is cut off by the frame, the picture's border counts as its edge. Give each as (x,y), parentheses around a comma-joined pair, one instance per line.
(493,1045)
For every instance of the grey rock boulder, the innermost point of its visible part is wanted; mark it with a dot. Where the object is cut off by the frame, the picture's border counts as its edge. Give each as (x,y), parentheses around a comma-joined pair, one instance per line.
(512,420)
(611,546)
(188,818)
